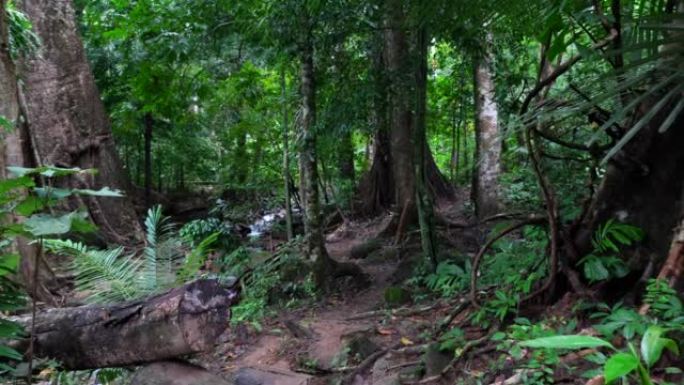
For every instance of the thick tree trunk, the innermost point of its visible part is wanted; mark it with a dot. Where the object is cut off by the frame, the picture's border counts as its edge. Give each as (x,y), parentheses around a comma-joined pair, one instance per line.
(643,186)
(13,151)
(66,120)
(391,178)
(486,188)
(182,321)
(376,187)
(401,115)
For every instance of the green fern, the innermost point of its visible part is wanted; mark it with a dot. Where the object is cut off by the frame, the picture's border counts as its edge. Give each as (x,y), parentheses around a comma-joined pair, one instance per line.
(107,276)
(161,251)
(104,275)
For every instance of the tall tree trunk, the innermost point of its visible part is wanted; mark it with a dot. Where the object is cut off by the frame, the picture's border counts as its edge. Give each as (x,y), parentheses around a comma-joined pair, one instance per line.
(423,196)
(486,189)
(391,178)
(315,241)
(66,120)
(14,150)
(376,187)
(401,116)
(346,157)
(286,157)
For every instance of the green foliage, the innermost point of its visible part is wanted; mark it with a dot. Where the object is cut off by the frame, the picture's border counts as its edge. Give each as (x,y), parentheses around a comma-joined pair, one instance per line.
(620,364)
(195,231)
(604,261)
(452,339)
(19,197)
(108,276)
(663,302)
(22,39)
(448,279)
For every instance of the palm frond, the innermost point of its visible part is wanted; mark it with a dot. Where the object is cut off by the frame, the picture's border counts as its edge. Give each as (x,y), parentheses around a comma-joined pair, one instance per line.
(104,275)
(162,250)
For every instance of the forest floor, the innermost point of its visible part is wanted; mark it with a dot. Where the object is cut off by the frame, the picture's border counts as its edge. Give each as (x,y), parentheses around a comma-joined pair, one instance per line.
(354,337)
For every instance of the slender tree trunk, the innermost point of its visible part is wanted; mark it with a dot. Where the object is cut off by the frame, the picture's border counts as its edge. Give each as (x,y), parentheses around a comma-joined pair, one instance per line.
(66,120)
(147,148)
(346,157)
(315,241)
(486,189)
(423,196)
(286,157)
(241,164)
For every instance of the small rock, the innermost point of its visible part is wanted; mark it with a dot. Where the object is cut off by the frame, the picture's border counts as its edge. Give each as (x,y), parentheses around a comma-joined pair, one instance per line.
(359,345)
(175,373)
(269,376)
(435,360)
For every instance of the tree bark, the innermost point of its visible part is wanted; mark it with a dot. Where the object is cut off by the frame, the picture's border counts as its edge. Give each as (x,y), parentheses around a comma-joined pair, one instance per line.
(315,241)
(67,124)
(286,157)
(423,196)
(391,178)
(346,158)
(486,189)
(401,116)
(376,187)
(147,162)
(182,321)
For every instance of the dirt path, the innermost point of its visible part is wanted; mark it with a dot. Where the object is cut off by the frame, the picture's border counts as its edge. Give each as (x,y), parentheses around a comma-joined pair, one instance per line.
(326,324)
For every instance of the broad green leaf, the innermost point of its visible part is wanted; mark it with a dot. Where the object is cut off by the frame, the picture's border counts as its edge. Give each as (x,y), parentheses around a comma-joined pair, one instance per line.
(567,342)
(53,192)
(653,343)
(45,224)
(15,183)
(29,205)
(103,192)
(21,171)
(619,365)
(8,263)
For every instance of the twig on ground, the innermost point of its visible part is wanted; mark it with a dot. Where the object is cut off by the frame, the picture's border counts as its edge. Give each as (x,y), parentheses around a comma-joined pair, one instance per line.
(404,311)
(404,365)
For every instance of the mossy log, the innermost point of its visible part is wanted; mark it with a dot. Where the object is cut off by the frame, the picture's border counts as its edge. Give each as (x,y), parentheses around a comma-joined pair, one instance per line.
(181,321)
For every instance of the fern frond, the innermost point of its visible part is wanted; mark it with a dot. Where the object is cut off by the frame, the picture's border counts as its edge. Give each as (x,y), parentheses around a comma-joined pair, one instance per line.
(104,275)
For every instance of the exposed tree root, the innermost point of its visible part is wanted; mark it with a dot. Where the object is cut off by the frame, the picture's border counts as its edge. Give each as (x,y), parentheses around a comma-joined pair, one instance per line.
(533,219)
(365,365)
(466,350)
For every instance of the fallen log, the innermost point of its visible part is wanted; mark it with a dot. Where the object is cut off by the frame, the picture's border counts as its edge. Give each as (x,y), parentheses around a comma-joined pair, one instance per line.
(181,321)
